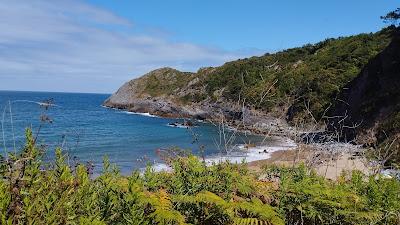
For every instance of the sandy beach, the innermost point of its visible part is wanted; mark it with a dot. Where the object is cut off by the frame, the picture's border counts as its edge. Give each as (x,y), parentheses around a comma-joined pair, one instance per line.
(329,165)
(328,160)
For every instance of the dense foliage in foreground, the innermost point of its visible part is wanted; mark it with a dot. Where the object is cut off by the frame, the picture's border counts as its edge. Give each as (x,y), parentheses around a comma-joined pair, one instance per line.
(33,192)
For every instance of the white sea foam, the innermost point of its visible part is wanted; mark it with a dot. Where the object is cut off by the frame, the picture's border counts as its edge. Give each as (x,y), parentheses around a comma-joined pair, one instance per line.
(128,112)
(178,126)
(243,154)
(251,154)
(107,107)
(141,114)
(161,167)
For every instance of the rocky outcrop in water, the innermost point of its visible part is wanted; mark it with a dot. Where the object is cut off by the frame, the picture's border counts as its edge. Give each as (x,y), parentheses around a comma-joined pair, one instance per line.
(137,95)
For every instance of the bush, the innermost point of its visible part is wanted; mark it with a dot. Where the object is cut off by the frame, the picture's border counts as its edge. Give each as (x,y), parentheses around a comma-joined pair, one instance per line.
(34,192)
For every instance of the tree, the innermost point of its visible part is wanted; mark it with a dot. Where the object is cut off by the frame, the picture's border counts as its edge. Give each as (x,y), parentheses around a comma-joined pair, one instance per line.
(392,17)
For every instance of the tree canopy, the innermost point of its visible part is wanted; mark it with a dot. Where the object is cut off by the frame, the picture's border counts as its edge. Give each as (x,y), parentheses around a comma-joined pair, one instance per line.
(392,17)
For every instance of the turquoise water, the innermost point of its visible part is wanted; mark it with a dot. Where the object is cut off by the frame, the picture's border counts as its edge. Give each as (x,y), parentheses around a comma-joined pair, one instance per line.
(88,131)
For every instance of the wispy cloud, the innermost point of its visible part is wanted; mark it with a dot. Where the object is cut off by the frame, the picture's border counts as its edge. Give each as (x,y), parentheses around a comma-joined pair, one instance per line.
(73,46)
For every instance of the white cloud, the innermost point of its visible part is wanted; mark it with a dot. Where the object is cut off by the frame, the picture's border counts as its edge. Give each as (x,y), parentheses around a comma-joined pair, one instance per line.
(72,46)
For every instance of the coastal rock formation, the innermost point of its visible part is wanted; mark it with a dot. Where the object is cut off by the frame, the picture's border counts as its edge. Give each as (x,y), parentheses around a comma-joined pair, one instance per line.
(273,92)
(168,100)
(157,93)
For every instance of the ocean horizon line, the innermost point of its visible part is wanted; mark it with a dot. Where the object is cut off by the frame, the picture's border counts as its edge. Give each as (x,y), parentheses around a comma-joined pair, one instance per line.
(57,92)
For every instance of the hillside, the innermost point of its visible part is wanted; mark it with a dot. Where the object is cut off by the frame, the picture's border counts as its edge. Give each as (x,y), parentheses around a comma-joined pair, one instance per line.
(291,84)
(371,101)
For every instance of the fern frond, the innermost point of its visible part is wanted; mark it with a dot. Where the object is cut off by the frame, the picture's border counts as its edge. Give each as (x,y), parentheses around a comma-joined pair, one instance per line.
(209,197)
(164,213)
(256,209)
(247,221)
(164,200)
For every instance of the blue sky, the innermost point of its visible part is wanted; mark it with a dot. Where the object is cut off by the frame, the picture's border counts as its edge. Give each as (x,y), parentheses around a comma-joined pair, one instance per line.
(96,45)
(254,24)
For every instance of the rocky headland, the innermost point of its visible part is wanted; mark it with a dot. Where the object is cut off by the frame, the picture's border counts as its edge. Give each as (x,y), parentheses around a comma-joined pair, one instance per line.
(134,96)
(325,86)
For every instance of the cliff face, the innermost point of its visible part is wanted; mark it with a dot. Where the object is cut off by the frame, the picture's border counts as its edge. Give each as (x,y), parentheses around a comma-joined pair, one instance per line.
(164,92)
(368,108)
(153,93)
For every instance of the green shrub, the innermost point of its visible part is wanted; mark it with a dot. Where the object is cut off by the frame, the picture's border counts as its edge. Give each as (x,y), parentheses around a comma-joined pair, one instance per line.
(33,192)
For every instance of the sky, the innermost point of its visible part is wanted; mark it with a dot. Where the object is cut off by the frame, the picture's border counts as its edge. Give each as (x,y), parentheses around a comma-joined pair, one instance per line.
(95,46)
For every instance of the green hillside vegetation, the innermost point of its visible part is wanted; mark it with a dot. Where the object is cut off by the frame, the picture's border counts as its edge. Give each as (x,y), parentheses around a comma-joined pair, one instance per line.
(162,83)
(35,192)
(313,74)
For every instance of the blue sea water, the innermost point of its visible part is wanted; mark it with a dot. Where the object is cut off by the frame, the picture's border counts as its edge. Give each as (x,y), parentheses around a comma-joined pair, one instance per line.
(88,131)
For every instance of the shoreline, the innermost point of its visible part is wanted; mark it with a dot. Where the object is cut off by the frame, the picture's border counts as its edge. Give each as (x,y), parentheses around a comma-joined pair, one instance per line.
(329,165)
(130,112)
(245,154)
(270,126)
(254,153)
(281,152)
(256,123)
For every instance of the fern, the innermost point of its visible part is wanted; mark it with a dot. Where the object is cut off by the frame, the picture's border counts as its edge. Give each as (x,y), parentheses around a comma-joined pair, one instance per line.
(265,214)
(192,194)
(163,209)
(248,221)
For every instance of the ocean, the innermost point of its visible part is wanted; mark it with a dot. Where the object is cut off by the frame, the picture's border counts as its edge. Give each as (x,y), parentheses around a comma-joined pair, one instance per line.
(87,131)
